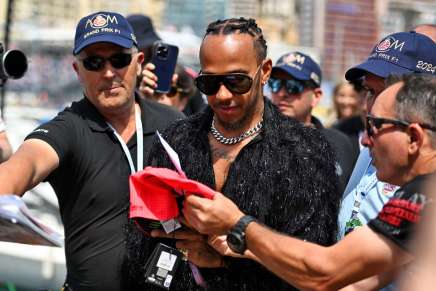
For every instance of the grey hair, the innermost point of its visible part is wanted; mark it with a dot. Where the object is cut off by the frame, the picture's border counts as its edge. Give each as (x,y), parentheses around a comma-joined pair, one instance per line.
(416,99)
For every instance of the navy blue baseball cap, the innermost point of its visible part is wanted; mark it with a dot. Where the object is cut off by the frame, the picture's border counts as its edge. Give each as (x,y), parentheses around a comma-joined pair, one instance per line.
(299,66)
(399,53)
(103,27)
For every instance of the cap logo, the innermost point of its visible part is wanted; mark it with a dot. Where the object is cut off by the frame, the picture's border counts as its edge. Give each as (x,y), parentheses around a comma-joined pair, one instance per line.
(133,36)
(314,76)
(101,20)
(291,58)
(389,43)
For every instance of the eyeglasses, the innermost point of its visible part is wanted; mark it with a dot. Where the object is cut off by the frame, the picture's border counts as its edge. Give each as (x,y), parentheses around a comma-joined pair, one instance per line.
(117,60)
(237,83)
(174,90)
(292,86)
(373,122)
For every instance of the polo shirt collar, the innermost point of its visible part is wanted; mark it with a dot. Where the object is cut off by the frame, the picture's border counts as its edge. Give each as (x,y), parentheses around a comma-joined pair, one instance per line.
(94,118)
(97,122)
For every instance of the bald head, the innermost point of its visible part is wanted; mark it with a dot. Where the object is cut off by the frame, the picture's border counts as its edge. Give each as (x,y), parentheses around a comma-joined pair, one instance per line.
(427,30)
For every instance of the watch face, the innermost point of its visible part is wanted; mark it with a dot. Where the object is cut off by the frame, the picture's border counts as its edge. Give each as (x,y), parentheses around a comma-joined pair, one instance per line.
(236,243)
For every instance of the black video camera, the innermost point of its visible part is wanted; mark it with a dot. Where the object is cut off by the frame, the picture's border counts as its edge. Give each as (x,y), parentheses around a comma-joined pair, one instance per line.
(13,64)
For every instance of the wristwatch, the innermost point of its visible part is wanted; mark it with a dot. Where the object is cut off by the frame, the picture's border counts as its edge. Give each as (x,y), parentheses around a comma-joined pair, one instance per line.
(236,236)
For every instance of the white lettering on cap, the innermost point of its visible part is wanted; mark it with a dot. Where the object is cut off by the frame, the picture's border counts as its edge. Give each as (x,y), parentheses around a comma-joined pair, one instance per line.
(101,20)
(388,43)
(91,33)
(425,66)
(314,76)
(291,58)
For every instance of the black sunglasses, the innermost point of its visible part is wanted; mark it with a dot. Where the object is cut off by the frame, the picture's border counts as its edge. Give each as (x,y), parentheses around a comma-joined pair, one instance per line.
(117,60)
(174,90)
(237,83)
(292,86)
(377,122)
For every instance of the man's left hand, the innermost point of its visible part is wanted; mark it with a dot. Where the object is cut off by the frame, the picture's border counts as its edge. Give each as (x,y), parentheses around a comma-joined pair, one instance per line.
(194,245)
(219,243)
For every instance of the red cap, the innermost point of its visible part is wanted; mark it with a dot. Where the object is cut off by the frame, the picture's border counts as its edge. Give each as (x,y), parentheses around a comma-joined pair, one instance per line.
(153,193)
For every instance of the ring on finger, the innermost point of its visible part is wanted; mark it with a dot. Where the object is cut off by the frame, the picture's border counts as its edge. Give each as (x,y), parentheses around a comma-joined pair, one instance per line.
(185,254)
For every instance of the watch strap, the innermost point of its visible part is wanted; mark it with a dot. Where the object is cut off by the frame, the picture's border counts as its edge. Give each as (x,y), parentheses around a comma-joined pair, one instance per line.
(242,224)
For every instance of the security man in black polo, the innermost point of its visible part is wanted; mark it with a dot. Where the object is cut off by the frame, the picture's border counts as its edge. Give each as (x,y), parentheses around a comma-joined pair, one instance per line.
(88,151)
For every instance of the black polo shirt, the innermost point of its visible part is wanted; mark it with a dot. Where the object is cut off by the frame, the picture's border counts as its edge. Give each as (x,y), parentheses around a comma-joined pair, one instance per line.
(91,184)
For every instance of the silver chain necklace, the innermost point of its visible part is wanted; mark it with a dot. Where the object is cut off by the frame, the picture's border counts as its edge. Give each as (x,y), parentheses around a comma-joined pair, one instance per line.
(234,140)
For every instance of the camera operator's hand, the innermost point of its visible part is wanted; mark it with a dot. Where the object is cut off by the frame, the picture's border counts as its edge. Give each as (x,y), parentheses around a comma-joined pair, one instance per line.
(195,247)
(149,83)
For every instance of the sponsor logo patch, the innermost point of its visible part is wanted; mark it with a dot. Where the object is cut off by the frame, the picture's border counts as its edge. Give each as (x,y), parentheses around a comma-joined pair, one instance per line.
(388,44)
(101,20)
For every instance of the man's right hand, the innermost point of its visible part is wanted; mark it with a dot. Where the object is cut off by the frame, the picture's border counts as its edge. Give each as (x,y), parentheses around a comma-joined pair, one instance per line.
(148,81)
(211,216)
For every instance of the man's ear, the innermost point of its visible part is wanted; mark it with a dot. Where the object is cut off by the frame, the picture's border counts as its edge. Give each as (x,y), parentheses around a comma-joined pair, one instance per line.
(417,138)
(76,69)
(140,60)
(316,97)
(266,71)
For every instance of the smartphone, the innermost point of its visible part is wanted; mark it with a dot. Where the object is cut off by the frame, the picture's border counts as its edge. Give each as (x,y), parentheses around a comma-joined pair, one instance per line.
(164,58)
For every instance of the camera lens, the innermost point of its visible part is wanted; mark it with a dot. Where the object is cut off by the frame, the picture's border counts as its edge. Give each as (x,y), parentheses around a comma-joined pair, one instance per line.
(162,51)
(14,64)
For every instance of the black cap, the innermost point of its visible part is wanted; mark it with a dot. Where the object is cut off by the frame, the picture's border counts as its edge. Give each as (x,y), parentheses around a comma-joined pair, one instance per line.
(143,29)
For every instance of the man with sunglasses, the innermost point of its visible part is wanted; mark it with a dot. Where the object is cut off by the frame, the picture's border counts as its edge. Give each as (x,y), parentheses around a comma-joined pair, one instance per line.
(272,166)
(295,89)
(401,136)
(398,53)
(88,151)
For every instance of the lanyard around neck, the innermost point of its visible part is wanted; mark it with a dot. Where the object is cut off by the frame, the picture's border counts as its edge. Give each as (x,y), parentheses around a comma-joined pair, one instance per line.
(139,144)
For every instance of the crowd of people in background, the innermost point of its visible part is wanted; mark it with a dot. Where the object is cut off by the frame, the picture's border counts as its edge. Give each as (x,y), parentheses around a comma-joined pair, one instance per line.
(297,204)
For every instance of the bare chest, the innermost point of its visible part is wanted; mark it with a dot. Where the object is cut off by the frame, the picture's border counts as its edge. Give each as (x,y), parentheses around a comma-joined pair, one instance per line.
(223,157)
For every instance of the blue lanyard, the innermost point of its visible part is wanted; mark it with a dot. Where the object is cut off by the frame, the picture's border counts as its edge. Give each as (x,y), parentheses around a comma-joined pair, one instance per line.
(139,142)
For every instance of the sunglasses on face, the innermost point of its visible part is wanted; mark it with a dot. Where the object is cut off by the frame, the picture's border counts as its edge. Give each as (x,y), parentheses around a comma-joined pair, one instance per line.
(292,86)
(174,90)
(375,123)
(117,60)
(237,83)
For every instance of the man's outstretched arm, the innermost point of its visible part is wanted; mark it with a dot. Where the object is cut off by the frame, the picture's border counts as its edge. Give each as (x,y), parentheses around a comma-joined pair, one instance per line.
(33,161)
(5,147)
(305,265)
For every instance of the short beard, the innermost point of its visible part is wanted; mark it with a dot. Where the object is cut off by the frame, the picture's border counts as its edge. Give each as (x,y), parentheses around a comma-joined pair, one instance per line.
(249,113)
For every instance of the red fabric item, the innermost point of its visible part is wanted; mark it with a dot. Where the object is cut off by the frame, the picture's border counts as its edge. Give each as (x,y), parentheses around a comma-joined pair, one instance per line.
(153,193)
